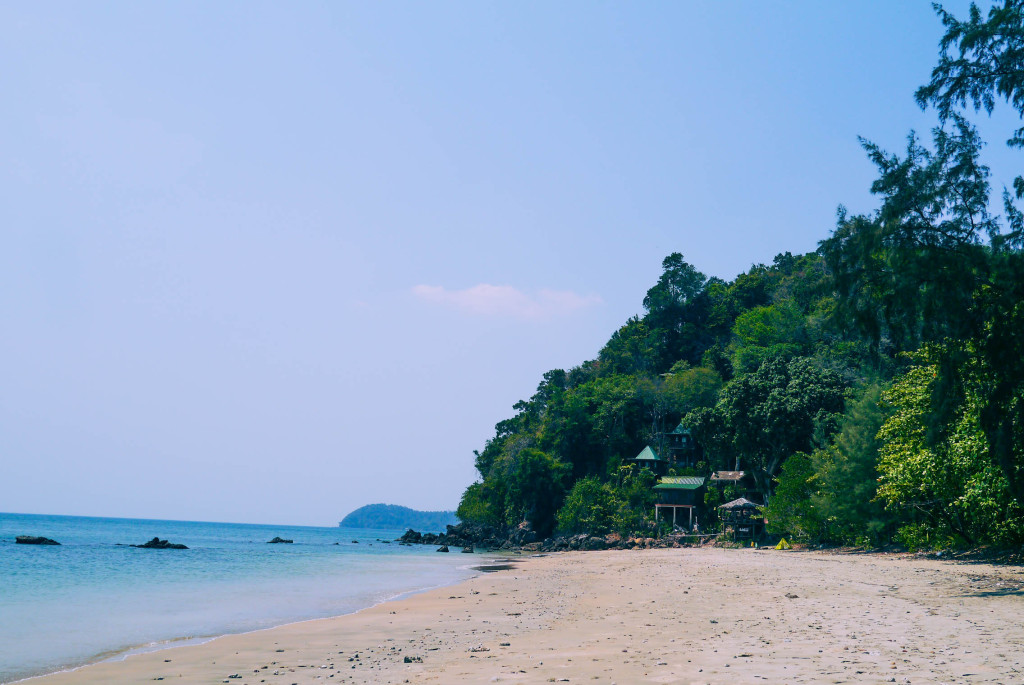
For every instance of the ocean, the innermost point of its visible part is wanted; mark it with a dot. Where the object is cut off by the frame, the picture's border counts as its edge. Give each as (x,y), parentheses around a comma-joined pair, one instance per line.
(92,599)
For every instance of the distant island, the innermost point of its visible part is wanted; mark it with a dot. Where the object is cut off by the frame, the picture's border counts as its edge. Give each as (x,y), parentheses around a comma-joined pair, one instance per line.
(395,516)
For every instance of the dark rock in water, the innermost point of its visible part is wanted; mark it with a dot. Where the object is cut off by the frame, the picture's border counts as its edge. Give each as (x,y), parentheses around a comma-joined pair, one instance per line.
(355,542)
(468,549)
(278,540)
(33,540)
(442,548)
(157,543)
(411,537)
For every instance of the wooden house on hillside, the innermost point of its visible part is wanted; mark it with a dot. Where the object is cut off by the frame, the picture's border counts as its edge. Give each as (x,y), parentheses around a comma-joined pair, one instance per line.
(679,446)
(648,458)
(682,496)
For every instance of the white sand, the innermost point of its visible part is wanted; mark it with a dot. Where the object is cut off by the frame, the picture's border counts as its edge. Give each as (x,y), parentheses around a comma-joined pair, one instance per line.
(654,616)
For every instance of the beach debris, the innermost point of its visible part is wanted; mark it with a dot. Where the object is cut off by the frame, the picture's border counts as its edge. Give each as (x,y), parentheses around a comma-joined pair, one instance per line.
(790,595)
(442,548)
(157,543)
(479,648)
(412,660)
(278,540)
(33,540)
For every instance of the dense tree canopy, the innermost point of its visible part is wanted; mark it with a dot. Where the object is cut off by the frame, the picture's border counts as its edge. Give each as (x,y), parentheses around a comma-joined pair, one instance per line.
(875,387)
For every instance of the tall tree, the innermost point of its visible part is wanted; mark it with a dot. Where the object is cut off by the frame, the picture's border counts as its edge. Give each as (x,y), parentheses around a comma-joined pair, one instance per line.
(981,59)
(671,312)
(782,408)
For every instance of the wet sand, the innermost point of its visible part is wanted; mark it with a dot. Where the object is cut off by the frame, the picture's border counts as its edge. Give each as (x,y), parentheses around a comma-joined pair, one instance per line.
(652,616)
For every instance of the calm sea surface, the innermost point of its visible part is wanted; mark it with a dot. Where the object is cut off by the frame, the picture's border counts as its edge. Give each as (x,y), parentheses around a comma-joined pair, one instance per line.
(91,599)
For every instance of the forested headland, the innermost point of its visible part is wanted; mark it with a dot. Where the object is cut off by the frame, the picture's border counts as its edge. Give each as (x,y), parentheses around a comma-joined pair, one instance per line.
(396,516)
(874,388)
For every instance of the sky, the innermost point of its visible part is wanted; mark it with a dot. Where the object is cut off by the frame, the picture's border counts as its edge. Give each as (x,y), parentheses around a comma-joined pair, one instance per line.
(269,262)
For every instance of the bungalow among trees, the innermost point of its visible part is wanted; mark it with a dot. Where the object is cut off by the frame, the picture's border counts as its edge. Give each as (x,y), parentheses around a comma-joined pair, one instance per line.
(685,500)
(680,495)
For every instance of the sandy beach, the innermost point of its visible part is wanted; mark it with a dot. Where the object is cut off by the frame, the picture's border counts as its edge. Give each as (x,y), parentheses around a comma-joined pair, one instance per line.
(652,616)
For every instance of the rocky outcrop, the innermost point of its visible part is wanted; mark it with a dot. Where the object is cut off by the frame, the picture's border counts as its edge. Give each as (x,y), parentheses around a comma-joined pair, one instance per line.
(157,543)
(522,537)
(277,541)
(33,540)
(442,548)
(468,549)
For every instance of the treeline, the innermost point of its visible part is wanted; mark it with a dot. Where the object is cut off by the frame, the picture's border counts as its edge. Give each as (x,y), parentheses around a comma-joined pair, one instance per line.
(874,388)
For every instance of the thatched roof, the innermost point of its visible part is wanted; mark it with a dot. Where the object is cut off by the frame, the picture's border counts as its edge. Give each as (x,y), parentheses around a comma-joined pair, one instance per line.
(741,503)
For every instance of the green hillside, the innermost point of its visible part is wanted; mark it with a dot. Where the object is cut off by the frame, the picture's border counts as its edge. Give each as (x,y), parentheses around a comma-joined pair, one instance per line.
(873,388)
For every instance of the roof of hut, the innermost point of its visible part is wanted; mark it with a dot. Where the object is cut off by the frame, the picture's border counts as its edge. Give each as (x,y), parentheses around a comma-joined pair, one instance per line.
(730,476)
(647,454)
(679,483)
(741,503)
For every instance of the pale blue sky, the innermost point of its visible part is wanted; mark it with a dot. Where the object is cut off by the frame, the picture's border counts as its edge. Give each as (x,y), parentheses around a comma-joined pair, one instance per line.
(269,262)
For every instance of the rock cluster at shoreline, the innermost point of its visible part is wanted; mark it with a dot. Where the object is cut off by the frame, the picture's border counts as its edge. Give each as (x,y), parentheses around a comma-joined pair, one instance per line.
(522,538)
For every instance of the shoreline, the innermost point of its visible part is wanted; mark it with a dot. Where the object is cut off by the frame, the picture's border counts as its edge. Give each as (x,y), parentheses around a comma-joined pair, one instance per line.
(667,615)
(121,655)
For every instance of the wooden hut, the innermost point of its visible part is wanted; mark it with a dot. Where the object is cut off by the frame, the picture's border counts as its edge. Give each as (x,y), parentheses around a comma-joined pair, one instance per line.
(742,516)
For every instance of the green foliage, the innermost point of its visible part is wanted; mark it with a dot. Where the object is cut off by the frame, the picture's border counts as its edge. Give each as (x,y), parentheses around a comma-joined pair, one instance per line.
(791,511)
(782,408)
(475,506)
(692,388)
(630,350)
(589,508)
(847,476)
(537,484)
(635,499)
(988,63)
(947,480)
(779,323)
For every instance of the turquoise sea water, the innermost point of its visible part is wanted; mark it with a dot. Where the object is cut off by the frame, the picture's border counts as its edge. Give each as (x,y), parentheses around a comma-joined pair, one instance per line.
(90,599)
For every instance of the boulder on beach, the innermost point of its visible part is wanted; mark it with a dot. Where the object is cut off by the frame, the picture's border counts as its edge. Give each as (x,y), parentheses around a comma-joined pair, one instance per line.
(442,548)
(278,540)
(34,540)
(157,543)
(468,549)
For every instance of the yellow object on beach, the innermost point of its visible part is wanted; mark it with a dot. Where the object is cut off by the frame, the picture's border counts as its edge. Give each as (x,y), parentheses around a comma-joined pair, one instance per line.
(783,544)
